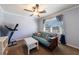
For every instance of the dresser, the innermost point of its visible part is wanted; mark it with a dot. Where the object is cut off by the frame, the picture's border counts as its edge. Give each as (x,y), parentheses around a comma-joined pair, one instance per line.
(3,44)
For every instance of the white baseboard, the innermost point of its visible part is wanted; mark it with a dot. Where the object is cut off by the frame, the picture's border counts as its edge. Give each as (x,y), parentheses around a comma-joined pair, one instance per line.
(73,46)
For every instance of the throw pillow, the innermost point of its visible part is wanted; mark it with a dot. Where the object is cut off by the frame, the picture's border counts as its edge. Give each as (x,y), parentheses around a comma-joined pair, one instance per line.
(39,34)
(46,37)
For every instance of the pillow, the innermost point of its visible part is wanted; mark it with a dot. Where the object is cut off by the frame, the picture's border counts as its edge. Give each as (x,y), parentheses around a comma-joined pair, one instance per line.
(35,34)
(39,34)
(46,37)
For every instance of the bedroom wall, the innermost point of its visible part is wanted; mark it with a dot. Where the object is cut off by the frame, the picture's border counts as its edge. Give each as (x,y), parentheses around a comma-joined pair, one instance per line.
(71,25)
(40,25)
(1,15)
(27,25)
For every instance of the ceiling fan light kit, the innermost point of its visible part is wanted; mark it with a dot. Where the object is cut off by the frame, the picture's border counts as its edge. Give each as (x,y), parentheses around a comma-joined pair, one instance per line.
(35,10)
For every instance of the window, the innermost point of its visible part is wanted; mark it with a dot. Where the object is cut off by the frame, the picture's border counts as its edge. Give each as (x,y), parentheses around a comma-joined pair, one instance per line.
(53,25)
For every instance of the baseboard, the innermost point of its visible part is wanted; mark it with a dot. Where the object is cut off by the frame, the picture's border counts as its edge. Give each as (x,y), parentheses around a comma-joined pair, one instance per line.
(73,46)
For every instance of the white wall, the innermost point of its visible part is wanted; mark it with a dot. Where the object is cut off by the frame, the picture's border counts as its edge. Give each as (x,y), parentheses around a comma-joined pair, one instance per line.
(40,24)
(71,25)
(1,15)
(27,25)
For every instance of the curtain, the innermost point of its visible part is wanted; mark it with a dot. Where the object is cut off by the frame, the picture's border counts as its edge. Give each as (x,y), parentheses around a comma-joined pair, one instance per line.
(59,18)
(44,21)
(60,21)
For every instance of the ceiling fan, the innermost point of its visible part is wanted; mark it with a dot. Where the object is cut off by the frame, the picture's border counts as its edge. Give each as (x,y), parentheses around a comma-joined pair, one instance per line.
(36,10)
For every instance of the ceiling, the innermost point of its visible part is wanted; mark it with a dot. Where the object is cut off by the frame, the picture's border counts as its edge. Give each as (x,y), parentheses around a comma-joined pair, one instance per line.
(50,8)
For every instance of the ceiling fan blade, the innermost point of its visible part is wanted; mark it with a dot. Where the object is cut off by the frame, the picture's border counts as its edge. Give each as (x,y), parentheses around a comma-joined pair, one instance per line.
(28,10)
(44,11)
